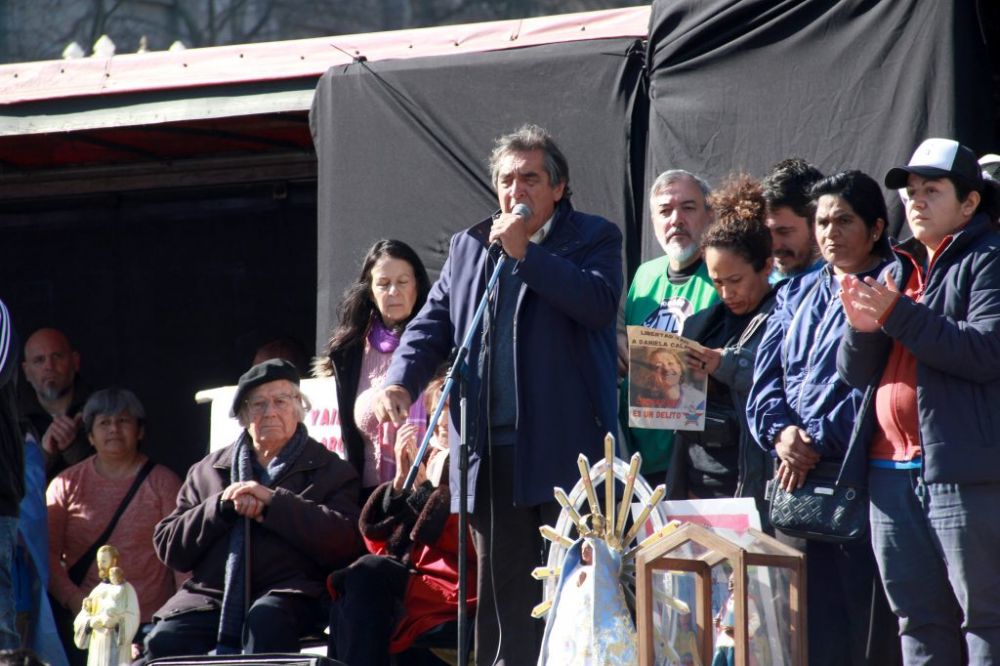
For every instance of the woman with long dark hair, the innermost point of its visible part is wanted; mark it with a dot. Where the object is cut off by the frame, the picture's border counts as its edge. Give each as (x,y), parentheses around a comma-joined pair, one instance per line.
(391,288)
(800,409)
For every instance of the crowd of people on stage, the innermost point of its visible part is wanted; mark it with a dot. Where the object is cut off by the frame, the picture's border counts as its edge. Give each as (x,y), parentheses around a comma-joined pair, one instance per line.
(829,351)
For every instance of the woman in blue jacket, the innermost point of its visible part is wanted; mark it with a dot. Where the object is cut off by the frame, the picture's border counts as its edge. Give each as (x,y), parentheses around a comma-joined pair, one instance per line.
(927,346)
(800,409)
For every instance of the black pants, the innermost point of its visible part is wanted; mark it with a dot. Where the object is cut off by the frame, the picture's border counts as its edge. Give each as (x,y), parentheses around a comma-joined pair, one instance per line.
(274,623)
(849,620)
(368,607)
(508,547)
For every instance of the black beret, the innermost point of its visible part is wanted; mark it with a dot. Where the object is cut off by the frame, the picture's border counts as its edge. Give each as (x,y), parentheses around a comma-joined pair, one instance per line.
(269,371)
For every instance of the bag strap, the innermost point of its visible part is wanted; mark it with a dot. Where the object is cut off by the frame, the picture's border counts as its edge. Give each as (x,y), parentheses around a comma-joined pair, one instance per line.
(78,571)
(852,448)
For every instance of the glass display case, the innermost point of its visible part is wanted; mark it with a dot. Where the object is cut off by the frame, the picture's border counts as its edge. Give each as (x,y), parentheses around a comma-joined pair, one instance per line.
(703,595)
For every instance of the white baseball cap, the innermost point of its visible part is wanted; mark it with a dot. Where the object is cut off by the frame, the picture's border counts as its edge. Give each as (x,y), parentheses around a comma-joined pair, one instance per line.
(937,158)
(990,164)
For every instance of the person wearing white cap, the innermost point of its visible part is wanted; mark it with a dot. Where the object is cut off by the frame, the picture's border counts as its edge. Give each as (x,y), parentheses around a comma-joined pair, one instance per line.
(990,164)
(925,344)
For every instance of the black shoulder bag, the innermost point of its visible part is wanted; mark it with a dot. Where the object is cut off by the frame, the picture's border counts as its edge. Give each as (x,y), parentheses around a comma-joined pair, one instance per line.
(78,571)
(825,508)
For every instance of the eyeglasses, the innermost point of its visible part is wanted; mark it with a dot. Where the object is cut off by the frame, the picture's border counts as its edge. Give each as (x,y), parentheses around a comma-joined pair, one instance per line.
(282,403)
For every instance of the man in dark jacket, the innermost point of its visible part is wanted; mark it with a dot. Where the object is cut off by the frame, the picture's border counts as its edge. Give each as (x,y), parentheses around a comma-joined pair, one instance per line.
(12,481)
(259,524)
(54,398)
(541,389)
(790,217)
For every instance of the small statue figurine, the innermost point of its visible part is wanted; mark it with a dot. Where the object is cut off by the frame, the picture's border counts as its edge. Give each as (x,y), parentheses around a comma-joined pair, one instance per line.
(109,617)
(725,624)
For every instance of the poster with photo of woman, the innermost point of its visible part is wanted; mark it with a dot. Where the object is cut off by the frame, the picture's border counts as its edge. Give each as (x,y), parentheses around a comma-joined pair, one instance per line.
(663,392)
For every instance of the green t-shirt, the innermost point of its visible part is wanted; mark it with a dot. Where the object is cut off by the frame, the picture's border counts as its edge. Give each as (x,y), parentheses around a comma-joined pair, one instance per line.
(654,301)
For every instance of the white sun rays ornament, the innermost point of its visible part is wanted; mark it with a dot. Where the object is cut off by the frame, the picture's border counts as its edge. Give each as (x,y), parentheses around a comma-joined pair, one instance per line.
(605,545)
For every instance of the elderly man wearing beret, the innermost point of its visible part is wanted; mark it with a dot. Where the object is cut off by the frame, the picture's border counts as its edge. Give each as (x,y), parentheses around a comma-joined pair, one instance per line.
(259,524)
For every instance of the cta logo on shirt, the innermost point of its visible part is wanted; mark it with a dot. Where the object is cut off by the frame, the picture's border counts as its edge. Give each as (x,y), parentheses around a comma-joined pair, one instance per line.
(670,314)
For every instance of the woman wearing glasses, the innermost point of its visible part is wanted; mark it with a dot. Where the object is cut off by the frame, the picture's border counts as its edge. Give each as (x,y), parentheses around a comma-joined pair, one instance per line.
(82,500)
(276,494)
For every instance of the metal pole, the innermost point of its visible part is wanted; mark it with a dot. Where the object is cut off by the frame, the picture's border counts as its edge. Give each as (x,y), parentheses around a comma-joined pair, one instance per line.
(458,370)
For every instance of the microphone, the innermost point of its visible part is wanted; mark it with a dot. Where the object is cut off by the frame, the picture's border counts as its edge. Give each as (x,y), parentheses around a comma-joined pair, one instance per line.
(523,211)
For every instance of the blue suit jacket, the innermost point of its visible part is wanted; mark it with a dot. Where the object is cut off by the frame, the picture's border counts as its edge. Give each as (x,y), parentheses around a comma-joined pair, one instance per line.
(564,351)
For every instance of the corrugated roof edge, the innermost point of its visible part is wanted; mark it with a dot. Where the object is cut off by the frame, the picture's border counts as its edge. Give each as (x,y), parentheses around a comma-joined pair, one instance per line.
(268,61)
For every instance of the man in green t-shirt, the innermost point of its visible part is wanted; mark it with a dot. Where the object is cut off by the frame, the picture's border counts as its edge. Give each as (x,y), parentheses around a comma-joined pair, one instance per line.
(666,291)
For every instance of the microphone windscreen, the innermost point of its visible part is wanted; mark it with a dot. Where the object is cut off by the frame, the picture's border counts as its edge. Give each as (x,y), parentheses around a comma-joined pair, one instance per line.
(522,210)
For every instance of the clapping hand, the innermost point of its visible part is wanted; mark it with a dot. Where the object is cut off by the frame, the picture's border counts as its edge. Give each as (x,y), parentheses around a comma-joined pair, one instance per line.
(866,302)
(406,452)
(61,433)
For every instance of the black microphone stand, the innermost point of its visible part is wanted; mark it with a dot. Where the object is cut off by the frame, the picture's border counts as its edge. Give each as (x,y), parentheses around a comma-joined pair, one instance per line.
(458,370)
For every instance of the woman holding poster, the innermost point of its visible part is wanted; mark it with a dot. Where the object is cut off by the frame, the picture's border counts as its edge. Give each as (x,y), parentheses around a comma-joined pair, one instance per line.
(723,460)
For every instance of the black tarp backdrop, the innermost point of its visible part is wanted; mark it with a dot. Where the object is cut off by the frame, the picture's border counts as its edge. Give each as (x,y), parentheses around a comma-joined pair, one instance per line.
(740,84)
(403,145)
(165,293)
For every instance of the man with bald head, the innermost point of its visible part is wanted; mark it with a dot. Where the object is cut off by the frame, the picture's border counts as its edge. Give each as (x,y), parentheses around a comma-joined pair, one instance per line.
(54,403)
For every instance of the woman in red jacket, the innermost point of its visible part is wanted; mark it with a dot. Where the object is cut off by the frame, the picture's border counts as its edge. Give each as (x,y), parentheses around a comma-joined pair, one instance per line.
(408,583)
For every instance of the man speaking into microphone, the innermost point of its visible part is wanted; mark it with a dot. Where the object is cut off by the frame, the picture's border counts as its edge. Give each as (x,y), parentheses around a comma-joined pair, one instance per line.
(541,374)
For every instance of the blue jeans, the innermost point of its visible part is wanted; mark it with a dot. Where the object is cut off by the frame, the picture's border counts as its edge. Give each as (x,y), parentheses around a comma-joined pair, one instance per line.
(937,549)
(9,638)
